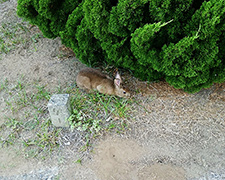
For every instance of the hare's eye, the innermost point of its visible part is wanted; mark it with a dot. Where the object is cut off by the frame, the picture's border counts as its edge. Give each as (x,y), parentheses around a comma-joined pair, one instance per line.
(124,92)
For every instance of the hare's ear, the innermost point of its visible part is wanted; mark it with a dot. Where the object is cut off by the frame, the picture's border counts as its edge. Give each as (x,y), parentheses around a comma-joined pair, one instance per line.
(117,80)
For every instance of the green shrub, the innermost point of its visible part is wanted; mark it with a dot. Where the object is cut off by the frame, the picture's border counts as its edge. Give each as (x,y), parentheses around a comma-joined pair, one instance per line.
(180,41)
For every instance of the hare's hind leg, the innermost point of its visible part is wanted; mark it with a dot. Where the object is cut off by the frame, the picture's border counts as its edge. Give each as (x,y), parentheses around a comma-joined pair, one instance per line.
(101,89)
(84,82)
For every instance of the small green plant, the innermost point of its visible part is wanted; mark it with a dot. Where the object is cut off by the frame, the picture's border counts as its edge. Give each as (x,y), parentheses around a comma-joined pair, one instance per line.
(9,137)
(12,34)
(83,122)
(33,123)
(42,93)
(78,161)
(96,112)
(4,85)
(2,1)
(45,141)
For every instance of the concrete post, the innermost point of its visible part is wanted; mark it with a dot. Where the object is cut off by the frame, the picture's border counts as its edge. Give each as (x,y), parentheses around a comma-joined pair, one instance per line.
(59,109)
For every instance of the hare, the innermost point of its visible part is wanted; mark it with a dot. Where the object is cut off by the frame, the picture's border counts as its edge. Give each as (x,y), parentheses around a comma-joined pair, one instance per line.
(92,79)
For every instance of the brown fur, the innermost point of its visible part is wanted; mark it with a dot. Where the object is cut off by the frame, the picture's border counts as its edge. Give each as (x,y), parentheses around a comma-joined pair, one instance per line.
(92,79)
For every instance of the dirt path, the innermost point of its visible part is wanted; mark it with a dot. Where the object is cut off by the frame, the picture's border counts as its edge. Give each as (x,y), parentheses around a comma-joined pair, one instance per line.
(172,135)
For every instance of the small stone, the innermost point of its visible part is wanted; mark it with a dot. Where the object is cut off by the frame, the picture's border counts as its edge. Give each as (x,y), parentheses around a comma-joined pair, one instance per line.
(59,109)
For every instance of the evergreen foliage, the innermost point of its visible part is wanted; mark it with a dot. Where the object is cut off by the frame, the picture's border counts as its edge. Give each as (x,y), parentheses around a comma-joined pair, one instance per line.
(180,41)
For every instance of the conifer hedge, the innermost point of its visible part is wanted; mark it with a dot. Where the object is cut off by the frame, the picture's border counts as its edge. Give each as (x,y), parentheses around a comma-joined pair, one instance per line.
(180,41)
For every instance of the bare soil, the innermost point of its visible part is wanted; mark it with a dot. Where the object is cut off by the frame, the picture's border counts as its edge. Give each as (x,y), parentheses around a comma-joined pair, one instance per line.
(172,135)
